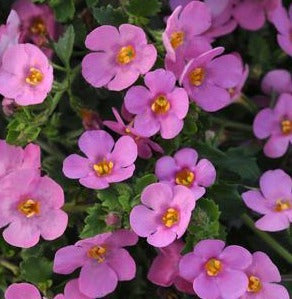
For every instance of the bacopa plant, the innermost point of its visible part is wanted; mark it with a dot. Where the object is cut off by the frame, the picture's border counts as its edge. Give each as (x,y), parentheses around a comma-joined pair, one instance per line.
(145,149)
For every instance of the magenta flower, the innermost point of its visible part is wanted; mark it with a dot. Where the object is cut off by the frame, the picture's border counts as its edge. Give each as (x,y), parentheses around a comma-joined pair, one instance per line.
(14,158)
(215,271)
(22,290)
(275,124)
(185,169)
(72,291)
(159,107)
(175,3)
(274,201)
(180,29)
(38,24)
(102,259)
(26,75)
(207,77)
(106,161)
(283,22)
(164,269)
(145,145)
(164,214)
(119,57)
(9,33)
(31,206)
(257,12)
(262,275)
(277,81)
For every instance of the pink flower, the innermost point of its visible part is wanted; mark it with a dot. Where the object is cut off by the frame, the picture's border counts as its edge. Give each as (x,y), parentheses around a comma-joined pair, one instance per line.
(31,206)
(22,290)
(185,169)
(252,14)
(262,275)
(38,24)
(9,33)
(25,75)
(8,106)
(207,77)
(119,57)
(103,262)
(275,124)
(277,81)
(164,214)
(106,161)
(180,29)
(274,201)
(164,269)
(160,107)
(175,3)
(72,291)
(215,271)
(14,158)
(145,145)
(283,22)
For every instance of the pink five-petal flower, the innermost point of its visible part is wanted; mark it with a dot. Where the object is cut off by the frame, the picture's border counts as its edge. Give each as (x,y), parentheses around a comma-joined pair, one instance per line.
(107,162)
(215,271)
(145,145)
(31,206)
(262,275)
(277,81)
(102,259)
(119,56)
(185,169)
(72,291)
(283,22)
(22,291)
(9,33)
(257,12)
(209,81)
(38,24)
(274,201)
(164,268)
(164,214)
(276,125)
(14,158)
(26,74)
(185,25)
(159,107)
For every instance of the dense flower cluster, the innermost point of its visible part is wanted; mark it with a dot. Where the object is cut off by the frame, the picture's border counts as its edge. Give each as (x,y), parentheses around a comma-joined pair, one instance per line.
(192,73)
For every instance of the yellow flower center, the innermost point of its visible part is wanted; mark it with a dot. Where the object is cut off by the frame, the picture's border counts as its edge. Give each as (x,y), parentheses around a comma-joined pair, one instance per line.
(97,252)
(282,205)
(38,27)
(213,267)
(286,126)
(254,284)
(177,39)
(128,130)
(197,76)
(126,55)
(103,168)
(170,217)
(29,208)
(160,105)
(34,77)
(185,177)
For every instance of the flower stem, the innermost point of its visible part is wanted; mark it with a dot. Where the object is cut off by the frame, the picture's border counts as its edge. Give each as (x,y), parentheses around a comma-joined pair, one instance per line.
(14,269)
(283,252)
(231,124)
(75,208)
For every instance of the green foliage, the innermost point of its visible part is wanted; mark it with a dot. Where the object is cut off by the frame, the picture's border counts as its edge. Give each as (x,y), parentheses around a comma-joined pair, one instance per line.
(204,223)
(64,9)
(64,46)
(141,8)
(108,15)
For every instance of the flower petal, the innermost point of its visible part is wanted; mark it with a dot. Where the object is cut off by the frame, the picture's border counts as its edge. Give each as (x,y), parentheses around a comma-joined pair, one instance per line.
(75,167)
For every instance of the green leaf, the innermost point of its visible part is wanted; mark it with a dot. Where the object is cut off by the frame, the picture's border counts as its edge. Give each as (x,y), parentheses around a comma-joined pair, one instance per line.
(109,199)
(142,8)
(144,181)
(64,46)
(64,9)
(36,269)
(91,3)
(94,222)
(109,15)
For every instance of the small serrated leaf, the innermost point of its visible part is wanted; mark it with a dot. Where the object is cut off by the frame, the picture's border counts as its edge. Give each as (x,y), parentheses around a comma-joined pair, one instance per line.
(142,8)
(109,15)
